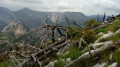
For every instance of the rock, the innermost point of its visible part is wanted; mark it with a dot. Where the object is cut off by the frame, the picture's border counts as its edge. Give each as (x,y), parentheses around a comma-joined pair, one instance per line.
(101,33)
(105,35)
(63,60)
(67,52)
(111,56)
(100,65)
(113,65)
(55,61)
(51,64)
(60,58)
(68,60)
(109,34)
(86,53)
(95,46)
(118,31)
(116,20)
(16,27)
(105,21)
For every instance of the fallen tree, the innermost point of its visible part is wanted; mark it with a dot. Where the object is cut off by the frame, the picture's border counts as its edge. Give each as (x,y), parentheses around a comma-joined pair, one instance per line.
(94,53)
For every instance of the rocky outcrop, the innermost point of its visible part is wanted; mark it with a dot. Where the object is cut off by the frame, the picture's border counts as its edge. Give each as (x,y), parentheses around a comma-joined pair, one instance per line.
(16,28)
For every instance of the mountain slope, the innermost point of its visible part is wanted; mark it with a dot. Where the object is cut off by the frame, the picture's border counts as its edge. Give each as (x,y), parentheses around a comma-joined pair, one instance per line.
(16,28)
(6,15)
(34,19)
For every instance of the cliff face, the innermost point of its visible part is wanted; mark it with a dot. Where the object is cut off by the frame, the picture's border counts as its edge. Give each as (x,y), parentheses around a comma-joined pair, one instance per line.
(16,28)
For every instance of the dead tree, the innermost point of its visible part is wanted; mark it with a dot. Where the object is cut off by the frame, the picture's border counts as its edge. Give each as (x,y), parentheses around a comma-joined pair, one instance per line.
(67,20)
(104,17)
(98,17)
(33,54)
(95,53)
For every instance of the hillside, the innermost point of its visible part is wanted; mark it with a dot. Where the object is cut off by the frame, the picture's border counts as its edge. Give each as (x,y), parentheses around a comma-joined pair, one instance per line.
(34,19)
(95,45)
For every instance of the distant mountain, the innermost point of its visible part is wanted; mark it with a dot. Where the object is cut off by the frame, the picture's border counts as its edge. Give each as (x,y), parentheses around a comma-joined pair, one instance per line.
(31,18)
(6,15)
(2,25)
(79,17)
(34,19)
(100,17)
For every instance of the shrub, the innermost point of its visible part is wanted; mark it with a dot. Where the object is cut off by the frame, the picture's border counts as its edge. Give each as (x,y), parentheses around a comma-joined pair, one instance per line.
(74,53)
(60,63)
(89,24)
(104,30)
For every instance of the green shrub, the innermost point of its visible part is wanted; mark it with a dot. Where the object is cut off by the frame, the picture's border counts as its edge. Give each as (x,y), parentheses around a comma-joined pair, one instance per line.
(89,24)
(116,57)
(60,63)
(104,30)
(74,53)
(6,63)
(114,25)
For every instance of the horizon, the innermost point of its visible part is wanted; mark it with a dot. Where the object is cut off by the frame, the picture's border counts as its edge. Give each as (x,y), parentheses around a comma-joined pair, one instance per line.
(88,7)
(59,11)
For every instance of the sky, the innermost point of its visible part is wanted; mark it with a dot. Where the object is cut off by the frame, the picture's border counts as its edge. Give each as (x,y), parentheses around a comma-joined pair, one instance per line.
(88,7)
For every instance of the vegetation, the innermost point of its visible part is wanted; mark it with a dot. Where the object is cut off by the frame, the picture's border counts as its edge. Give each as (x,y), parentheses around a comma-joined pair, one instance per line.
(115,25)
(88,35)
(60,63)
(114,38)
(47,50)
(74,53)
(92,23)
(104,30)
(7,36)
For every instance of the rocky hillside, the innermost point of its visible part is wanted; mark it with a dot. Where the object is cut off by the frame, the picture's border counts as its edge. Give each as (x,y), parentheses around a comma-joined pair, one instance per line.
(15,27)
(34,19)
(95,45)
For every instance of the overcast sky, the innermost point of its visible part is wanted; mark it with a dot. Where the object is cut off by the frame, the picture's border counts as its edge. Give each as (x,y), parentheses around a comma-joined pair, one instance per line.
(88,7)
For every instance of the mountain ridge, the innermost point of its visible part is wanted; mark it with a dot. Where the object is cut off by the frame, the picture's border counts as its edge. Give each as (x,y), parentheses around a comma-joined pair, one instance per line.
(34,19)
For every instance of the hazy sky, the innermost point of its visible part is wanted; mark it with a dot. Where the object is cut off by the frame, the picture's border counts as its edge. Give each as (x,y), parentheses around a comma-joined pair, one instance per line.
(88,7)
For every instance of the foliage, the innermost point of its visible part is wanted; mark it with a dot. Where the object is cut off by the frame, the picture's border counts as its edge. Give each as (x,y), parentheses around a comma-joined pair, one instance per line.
(7,36)
(111,27)
(60,63)
(2,45)
(104,30)
(74,53)
(84,63)
(88,35)
(73,31)
(116,57)
(91,23)
(114,26)
(6,63)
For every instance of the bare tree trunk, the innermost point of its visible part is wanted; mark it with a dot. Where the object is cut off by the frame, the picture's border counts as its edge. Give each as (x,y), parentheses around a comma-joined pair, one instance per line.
(95,53)
(104,17)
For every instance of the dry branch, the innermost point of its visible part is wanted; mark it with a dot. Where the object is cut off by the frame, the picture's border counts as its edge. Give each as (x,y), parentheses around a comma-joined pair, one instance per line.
(47,51)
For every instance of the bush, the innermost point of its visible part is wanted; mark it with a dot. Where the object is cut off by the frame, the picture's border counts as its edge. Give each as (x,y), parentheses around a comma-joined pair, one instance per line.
(74,53)
(88,35)
(104,30)
(89,24)
(60,63)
